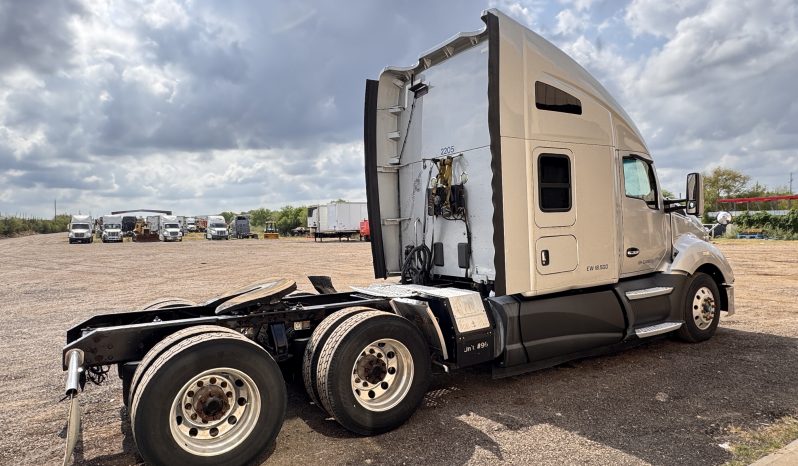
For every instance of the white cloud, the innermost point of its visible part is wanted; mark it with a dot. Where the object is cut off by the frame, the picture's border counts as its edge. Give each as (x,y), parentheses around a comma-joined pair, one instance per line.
(659,18)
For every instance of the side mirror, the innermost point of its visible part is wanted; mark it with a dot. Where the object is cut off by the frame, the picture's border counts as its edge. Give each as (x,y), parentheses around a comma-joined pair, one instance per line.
(724,218)
(695,194)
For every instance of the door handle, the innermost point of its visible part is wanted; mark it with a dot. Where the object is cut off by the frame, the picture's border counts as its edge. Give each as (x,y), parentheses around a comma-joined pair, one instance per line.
(544,257)
(631,252)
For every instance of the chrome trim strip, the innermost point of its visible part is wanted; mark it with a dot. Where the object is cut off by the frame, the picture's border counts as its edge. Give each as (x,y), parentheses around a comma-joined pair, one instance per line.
(648,292)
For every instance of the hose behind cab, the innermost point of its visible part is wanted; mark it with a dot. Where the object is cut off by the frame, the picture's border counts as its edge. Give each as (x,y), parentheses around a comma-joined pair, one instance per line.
(417,266)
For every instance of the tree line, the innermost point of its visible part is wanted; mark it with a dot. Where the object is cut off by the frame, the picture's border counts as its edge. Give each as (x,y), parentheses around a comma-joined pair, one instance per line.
(11,226)
(725,183)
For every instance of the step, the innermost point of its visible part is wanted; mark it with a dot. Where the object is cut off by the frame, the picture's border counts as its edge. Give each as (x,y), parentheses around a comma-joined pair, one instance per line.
(658,329)
(648,292)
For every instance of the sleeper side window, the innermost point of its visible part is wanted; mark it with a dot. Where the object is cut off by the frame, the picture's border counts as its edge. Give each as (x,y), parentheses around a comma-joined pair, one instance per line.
(554,183)
(550,98)
(639,181)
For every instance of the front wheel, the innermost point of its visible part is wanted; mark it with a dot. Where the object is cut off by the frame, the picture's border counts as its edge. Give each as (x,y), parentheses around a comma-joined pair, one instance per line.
(215,398)
(701,309)
(373,372)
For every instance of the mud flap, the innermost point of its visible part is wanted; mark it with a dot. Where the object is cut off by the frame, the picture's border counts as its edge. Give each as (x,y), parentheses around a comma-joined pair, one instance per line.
(72,428)
(322,284)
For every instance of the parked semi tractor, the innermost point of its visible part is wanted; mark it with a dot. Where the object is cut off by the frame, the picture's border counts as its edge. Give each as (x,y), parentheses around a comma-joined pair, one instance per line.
(81,229)
(241,227)
(191,224)
(216,228)
(517,208)
(169,228)
(111,228)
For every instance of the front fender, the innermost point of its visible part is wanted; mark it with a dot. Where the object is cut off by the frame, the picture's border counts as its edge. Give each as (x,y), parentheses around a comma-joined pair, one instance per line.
(691,253)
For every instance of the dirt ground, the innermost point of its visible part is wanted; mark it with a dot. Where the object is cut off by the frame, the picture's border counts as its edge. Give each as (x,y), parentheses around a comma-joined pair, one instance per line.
(662,403)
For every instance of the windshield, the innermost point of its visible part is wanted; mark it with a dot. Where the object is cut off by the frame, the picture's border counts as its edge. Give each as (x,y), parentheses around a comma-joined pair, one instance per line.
(171,225)
(113,226)
(218,225)
(80,226)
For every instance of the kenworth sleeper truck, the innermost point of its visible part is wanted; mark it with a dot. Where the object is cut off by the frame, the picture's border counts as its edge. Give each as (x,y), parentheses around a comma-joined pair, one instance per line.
(517,214)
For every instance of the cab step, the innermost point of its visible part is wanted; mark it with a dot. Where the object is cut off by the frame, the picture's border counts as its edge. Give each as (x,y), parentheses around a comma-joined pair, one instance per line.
(658,329)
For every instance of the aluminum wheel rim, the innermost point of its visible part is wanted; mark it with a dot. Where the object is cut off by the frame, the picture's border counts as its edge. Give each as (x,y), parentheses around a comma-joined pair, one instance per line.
(382,374)
(703,308)
(214,412)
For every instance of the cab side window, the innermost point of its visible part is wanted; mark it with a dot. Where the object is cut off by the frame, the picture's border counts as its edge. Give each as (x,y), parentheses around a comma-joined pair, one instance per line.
(554,181)
(639,181)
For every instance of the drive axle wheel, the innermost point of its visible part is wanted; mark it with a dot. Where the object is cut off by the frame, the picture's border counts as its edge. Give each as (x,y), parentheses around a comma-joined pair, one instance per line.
(373,372)
(214,398)
(129,387)
(701,309)
(313,348)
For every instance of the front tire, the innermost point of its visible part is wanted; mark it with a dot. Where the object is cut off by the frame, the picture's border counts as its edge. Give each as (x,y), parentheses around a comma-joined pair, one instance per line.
(701,309)
(215,398)
(373,372)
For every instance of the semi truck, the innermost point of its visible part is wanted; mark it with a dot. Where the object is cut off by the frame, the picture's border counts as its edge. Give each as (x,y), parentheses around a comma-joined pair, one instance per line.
(216,228)
(514,210)
(81,229)
(191,224)
(111,228)
(169,228)
(241,227)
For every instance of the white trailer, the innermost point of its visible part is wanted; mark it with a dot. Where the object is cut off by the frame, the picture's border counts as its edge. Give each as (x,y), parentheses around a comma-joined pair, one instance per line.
(181,220)
(336,219)
(154,223)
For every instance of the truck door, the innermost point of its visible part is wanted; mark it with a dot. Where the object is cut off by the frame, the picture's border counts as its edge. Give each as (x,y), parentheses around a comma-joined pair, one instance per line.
(645,227)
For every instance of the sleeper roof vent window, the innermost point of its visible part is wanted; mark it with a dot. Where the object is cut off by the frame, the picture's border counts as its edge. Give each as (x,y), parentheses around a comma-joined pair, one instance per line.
(555,100)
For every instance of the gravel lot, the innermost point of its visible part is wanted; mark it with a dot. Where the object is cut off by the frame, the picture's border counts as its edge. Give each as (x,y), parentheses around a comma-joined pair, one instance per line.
(663,403)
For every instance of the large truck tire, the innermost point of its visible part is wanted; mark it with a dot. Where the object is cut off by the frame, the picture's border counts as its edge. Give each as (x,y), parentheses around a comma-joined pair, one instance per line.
(701,309)
(314,346)
(373,372)
(215,398)
(162,346)
(167,303)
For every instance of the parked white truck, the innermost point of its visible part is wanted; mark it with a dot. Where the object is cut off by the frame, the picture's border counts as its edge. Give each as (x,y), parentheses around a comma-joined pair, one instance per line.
(191,224)
(217,228)
(111,228)
(81,229)
(169,228)
(518,205)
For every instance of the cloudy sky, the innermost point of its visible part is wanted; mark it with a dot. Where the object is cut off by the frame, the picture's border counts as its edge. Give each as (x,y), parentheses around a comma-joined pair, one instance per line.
(203,106)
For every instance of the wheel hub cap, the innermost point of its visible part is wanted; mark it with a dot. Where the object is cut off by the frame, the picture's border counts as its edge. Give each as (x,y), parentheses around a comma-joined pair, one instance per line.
(382,375)
(703,308)
(215,411)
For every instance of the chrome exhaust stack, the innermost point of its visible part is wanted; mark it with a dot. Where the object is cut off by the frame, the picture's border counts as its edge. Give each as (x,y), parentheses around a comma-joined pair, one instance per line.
(74,364)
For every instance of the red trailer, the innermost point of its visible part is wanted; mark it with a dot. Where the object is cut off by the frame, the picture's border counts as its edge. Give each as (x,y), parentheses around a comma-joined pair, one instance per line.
(365,234)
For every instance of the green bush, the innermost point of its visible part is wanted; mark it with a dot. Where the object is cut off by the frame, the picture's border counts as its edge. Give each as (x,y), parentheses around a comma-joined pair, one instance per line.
(15,226)
(776,226)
